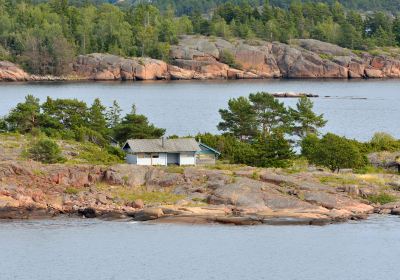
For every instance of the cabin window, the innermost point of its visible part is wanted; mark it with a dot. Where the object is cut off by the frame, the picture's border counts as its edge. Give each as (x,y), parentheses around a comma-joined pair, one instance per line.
(155,156)
(144,155)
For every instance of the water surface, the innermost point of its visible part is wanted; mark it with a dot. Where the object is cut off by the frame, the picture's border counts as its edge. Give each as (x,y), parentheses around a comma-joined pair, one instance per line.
(95,250)
(188,107)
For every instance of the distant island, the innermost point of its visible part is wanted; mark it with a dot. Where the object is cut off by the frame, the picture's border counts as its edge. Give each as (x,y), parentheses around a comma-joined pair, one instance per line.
(58,41)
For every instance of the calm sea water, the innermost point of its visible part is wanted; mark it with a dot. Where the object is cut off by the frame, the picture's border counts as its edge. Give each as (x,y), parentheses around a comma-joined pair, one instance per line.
(188,107)
(95,250)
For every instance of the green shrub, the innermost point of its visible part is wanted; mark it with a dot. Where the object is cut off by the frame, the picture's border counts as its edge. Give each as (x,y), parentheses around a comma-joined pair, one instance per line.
(45,151)
(382,198)
(92,154)
(333,152)
(116,151)
(382,141)
(228,58)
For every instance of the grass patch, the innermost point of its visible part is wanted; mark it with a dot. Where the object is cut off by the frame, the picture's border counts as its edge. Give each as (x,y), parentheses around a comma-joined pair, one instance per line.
(372,179)
(223,166)
(71,190)
(147,197)
(255,176)
(382,198)
(338,180)
(369,169)
(175,169)
(326,56)
(200,200)
(297,166)
(92,154)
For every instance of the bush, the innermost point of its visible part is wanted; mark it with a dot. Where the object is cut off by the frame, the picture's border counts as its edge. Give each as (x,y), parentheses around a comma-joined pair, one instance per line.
(382,141)
(333,152)
(272,151)
(116,151)
(92,154)
(229,59)
(46,151)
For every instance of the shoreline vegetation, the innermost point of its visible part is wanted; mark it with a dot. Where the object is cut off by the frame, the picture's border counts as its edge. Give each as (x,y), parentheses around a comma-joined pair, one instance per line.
(59,157)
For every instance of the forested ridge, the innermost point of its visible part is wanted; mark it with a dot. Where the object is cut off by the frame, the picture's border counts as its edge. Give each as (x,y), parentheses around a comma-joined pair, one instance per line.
(205,6)
(45,37)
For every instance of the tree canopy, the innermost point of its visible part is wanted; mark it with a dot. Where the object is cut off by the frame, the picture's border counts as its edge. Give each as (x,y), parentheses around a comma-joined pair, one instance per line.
(45,36)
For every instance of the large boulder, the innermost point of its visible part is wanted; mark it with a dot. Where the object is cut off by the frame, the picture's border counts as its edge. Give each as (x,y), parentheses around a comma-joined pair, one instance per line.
(245,192)
(385,159)
(98,66)
(12,72)
(148,214)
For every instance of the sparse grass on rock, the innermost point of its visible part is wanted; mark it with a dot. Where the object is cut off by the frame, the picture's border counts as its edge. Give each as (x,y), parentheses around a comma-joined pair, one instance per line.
(382,198)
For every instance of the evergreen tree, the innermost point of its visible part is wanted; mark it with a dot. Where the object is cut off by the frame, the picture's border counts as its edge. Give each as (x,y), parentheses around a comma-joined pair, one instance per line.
(96,117)
(239,119)
(113,115)
(271,114)
(25,116)
(134,126)
(305,120)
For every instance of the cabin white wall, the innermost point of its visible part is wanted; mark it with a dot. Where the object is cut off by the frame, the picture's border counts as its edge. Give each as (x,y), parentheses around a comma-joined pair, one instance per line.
(161,160)
(187,159)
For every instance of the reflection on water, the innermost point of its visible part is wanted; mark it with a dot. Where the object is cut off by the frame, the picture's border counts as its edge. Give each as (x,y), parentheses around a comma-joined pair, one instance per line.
(92,249)
(355,108)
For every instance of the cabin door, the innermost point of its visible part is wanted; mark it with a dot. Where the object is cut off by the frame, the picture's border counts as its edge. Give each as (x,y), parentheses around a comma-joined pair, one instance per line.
(173,158)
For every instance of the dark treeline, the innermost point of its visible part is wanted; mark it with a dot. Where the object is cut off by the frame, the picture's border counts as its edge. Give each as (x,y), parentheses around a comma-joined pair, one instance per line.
(71,119)
(185,7)
(45,37)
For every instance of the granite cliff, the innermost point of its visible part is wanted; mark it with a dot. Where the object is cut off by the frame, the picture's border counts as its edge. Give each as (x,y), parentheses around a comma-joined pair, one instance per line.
(197,57)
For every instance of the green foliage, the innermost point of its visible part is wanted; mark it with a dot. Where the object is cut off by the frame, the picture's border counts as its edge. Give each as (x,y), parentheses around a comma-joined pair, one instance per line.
(92,154)
(382,198)
(71,190)
(45,151)
(164,197)
(272,151)
(257,128)
(306,122)
(134,126)
(228,58)
(333,152)
(25,116)
(45,36)
(382,141)
(71,119)
(239,119)
(116,151)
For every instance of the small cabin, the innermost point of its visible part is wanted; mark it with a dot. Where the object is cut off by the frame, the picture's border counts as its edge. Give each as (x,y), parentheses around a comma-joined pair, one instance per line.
(182,151)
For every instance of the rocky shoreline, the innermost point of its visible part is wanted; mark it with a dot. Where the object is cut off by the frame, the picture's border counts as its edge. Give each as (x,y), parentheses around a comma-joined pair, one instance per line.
(236,195)
(206,58)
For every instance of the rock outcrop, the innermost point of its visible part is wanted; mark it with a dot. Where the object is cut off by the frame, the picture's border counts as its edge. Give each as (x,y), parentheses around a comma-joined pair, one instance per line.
(199,57)
(102,67)
(11,72)
(32,190)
